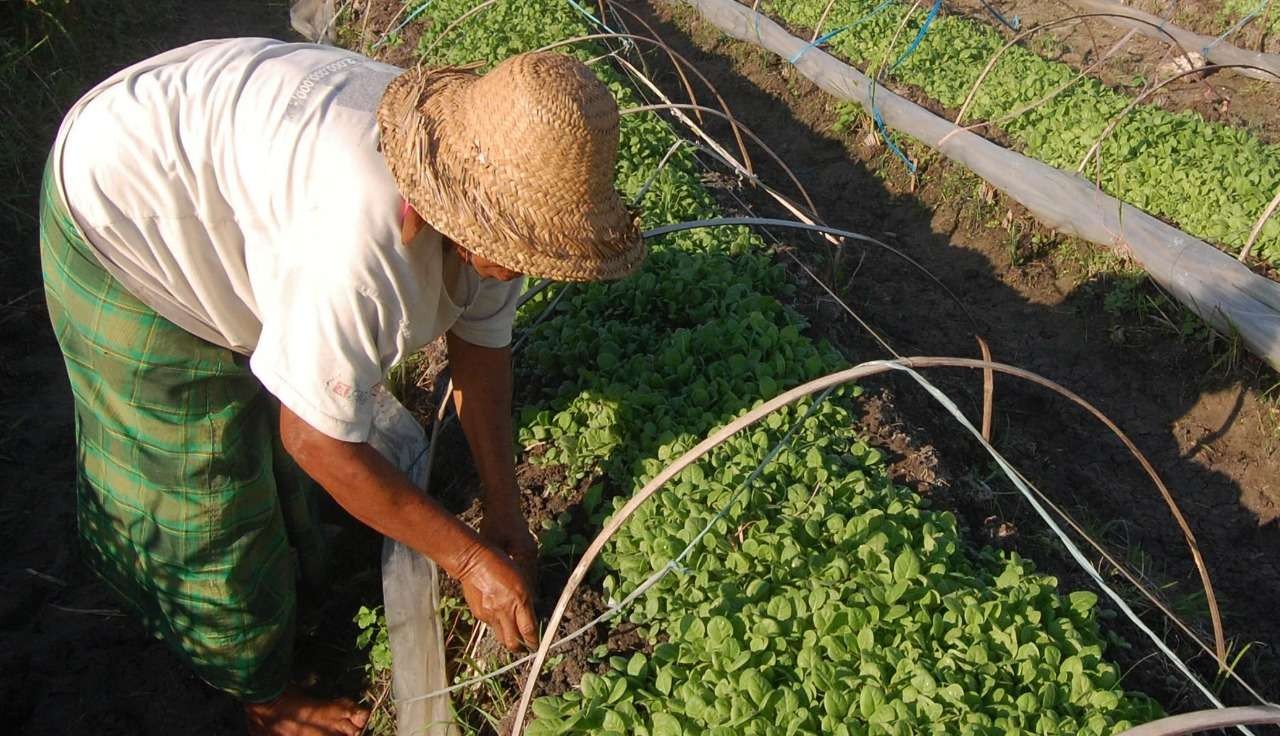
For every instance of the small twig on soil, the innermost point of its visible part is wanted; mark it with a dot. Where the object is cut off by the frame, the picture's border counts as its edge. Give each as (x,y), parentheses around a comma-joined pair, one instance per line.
(20,297)
(364,28)
(742,530)
(988,389)
(469,652)
(12,307)
(457,618)
(377,703)
(104,612)
(47,577)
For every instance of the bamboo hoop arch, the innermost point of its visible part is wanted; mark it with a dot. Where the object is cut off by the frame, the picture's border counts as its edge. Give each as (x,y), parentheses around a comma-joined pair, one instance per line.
(755,415)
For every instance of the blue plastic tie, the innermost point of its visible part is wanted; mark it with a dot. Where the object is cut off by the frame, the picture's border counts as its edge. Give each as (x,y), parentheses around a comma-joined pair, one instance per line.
(1262,6)
(832,34)
(587,14)
(888,140)
(627,43)
(875,109)
(924,29)
(408,19)
(1013,25)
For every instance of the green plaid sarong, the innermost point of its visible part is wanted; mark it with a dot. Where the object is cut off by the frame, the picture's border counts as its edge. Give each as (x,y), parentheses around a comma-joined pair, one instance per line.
(187,504)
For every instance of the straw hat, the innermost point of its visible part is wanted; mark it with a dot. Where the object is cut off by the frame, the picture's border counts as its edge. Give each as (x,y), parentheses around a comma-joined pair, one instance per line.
(516,166)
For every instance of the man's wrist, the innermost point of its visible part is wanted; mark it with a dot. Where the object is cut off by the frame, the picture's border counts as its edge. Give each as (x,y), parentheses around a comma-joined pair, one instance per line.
(502,506)
(466,558)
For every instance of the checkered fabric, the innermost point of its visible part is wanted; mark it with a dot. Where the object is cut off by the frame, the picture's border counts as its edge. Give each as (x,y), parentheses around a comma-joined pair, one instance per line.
(187,504)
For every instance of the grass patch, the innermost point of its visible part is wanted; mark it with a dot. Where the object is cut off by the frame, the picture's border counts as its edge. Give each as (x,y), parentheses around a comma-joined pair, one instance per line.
(51,51)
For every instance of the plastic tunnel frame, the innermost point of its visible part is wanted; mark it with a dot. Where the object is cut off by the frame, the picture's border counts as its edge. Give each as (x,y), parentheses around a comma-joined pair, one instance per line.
(1213,284)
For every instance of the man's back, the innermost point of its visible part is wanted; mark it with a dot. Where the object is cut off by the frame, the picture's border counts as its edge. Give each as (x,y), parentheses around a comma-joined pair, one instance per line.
(200,174)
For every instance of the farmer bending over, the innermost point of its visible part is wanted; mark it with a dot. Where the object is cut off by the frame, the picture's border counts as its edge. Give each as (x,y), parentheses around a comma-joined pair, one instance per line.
(239,239)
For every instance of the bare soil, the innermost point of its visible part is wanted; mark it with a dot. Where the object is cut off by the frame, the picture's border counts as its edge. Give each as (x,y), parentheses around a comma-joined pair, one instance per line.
(372,27)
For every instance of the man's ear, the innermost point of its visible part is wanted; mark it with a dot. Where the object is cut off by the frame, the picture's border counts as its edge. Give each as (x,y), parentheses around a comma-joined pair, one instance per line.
(410,224)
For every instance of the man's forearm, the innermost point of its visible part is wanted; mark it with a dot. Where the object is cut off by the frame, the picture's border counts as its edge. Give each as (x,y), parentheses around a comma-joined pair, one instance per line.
(482,396)
(374,491)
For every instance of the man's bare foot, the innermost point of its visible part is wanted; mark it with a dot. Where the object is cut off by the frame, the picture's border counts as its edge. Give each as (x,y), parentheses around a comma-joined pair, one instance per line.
(294,714)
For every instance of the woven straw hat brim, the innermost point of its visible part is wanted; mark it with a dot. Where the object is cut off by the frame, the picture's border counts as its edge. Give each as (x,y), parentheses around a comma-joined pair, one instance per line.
(516,166)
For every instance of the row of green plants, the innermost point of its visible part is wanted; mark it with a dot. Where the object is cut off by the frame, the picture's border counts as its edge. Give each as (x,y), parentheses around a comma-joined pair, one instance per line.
(1212,180)
(825,599)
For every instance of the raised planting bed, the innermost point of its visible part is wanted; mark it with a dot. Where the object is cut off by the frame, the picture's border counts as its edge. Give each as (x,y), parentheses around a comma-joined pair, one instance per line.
(1211,180)
(823,599)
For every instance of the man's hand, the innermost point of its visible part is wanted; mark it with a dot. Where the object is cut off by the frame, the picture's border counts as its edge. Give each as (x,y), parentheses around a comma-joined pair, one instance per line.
(482,395)
(509,532)
(497,594)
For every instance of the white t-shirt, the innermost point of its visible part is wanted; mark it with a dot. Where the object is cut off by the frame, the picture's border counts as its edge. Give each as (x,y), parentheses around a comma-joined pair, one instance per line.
(235,186)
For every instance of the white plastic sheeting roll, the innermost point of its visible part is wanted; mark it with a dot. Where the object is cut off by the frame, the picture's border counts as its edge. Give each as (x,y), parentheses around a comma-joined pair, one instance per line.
(410,590)
(1211,283)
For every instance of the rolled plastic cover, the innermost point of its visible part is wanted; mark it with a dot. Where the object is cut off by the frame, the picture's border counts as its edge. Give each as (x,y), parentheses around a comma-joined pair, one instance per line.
(1221,290)
(410,590)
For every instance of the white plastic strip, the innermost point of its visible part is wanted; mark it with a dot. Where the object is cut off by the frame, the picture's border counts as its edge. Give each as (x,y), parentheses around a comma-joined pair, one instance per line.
(1211,283)
(411,591)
